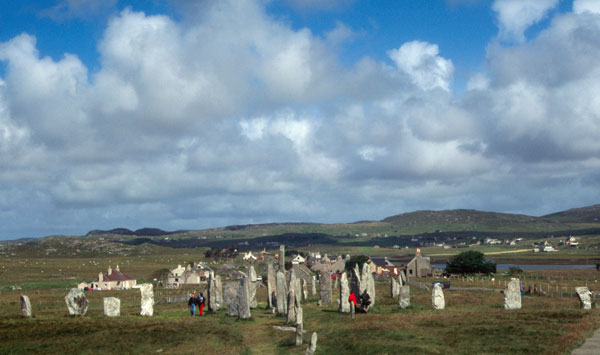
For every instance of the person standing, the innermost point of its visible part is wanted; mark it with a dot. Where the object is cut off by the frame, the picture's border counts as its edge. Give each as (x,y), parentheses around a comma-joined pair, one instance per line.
(200,303)
(192,305)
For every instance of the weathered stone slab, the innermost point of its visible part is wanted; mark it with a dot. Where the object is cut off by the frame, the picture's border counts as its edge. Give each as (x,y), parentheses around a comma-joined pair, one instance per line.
(252,285)
(325,288)
(147,300)
(77,303)
(344,294)
(437,297)
(271,283)
(112,306)
(25,306)
(299,326)
(244,299)
(281,294)
(512,294)
(403,296)
(218,292)
(584,297)
(314,286)
(230,298)
(312,345)
(370,283)
(394,287)
(282,258)
(403,279)
(304,290)
(291,311)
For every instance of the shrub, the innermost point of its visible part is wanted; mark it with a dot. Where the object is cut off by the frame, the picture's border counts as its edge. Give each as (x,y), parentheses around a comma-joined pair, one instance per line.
(470,262)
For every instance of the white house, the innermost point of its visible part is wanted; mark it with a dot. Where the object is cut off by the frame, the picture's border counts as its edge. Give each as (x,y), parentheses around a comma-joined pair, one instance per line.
(249,257)
(298,259)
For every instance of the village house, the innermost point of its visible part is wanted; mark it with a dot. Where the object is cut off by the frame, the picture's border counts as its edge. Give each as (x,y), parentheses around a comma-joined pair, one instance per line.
(298,259)
(383,267)
(325,264)
(419,266)
(111,280)
(249,257)
(190,275)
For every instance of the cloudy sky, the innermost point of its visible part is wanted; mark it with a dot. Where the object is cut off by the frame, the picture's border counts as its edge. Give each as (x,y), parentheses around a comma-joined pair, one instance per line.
(182,114)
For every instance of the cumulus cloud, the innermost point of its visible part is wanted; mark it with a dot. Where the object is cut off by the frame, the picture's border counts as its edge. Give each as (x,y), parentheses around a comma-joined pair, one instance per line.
(516,16)
(420,60)
(84,9)
(591,6)
(236,117)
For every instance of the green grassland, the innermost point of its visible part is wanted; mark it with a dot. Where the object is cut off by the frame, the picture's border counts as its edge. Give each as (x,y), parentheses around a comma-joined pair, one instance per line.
(472,323)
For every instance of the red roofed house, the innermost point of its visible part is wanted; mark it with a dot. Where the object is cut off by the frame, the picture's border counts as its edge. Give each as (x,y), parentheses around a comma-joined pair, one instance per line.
(113,280)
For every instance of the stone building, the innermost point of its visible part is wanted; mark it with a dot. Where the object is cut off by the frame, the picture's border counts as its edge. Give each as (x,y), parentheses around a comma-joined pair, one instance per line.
(111,280)
(190,275)
(419,266)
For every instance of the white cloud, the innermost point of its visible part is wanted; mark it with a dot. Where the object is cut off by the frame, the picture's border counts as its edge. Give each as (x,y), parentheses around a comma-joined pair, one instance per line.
(591,6)
(516,16)
(420,60)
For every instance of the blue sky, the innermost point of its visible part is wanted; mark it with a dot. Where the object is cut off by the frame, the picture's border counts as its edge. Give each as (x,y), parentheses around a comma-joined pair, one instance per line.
(183,114)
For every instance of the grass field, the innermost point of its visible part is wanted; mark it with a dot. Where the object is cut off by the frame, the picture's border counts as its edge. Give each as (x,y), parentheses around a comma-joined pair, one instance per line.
(472,323)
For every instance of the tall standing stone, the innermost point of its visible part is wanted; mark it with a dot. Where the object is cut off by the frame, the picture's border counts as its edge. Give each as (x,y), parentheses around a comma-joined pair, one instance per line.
(210,292)
(231,299)
(77,303)
(244,299)
(304,290)
(325,287)
(437,297)
(291,310)
(314,286)
(344,294)
(357,283)
(112,306)
(25,306)
(584,297)
(147,300)
(368,283)
(218,292)
(512,295)
(403,279)
(404,296)
(395,287)
(312,345)
(282,258)
(252,285)
(299,325)
(271,283)
(281,293)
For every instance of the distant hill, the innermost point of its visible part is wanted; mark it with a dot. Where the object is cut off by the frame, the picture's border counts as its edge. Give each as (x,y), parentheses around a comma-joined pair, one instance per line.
(143,232)
(590,214)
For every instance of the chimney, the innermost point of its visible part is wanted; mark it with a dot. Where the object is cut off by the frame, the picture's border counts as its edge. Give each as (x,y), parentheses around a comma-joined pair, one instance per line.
(100,277)
(117,268)
(109,270)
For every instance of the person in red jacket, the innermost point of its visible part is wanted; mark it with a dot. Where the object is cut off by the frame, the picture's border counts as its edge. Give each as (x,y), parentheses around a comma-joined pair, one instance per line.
(201,303)
(352,299)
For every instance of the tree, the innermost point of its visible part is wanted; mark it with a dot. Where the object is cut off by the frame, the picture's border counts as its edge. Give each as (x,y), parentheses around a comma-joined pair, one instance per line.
(356,259)
(470,262)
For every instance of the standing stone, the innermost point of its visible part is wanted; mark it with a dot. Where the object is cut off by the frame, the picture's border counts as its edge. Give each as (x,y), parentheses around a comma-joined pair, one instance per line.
(344,294)
(77,303)
(312,345)
(25,306)
(335,282)
(358,280)
(271,282)
(291,310)
(231,299)
(369,283)
(403,280)
(218,292)
(282,258)
(437,297)
(325,288)
(584,297)
(314,286)
(244,299)
(299,326)
(112,306)
(403,296)
(147,300)
(352,310)
(210,292)
(304,290)
(512,294)
(281,293)
(252,285)
(395,287)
